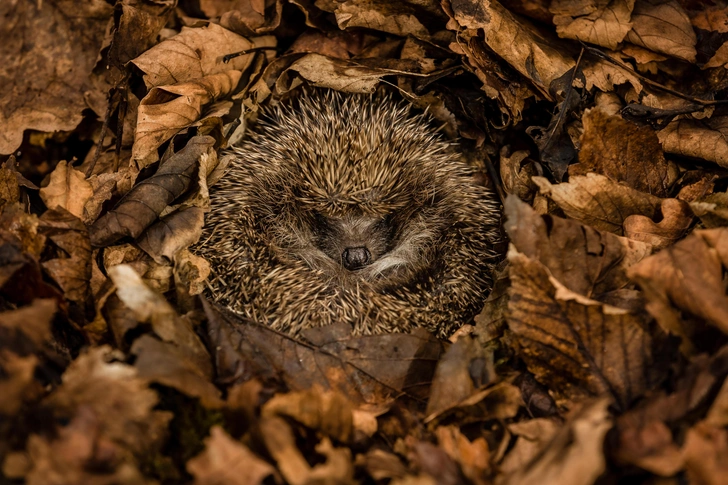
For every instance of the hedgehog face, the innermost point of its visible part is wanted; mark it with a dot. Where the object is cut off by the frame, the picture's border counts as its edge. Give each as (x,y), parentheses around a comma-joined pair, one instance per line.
(355,240)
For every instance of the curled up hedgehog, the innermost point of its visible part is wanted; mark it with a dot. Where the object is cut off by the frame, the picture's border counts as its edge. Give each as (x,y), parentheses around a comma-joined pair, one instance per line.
(349,208)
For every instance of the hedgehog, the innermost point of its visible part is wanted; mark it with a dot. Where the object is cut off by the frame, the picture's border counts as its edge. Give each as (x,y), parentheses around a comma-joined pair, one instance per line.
(350,208)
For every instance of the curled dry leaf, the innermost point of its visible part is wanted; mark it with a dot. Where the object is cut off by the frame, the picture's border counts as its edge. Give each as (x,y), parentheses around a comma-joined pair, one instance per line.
(574,456)
(244,16)
(676,220)
(600,23)
(226,461)
(689,276)
(664,27)
(576,346)
(704,139)
(536,57)
(531,438)
(68,189)
(397,18)
(196,53)
(368,369)
(584,260)
(168,109)
(164,239)
(146,201)
(44,80)
(597,201)
(624,152)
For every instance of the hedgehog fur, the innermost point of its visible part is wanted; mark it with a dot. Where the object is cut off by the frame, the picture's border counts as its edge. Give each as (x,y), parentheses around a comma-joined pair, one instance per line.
(349,208)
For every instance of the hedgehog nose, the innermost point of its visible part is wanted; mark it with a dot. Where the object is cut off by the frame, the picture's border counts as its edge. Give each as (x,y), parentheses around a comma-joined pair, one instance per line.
(355,258)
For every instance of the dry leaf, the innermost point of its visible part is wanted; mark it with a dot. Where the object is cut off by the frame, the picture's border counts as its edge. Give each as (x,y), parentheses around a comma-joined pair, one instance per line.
(688,275)
(576,346)
(596,201)
(712,210)
(141,207)
(676,220)
(196,53)
(603,23)
(574,456)
(49,50)
(227,462)
(624,152)
(515,40)
(396,18)
(68,189)
(663,26)
(699,139)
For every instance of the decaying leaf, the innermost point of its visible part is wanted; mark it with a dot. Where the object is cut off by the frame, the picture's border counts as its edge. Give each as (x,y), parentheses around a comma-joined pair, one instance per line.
(577,346)
(625,153)
(697,138)
(367,369)
(677,217)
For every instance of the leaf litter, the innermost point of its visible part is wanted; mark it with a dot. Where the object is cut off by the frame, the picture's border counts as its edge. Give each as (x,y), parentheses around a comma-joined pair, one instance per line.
(600,355)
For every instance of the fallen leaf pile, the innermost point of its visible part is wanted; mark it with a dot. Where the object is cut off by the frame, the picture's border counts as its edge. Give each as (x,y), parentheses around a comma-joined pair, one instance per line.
(601,355)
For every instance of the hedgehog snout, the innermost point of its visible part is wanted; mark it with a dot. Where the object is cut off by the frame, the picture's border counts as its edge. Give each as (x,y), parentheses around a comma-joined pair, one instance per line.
(356,258)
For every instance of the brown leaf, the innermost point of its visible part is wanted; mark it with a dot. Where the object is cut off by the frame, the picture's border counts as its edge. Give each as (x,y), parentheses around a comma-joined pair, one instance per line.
(115,398)
(50,49)
(539,59)
(397,18)
(575,454)
(532,437)
(381,465)
(17,383)
(342,75)
(464,369)
(174,232)
(624,152)
(168,109)
(576,346)
(171,366)
(472,456)
(227,462)
(196,53)
(72,269)
(596,201)
(663,26)
(80,453)
(146,201)
(704,453)
(137,27)
(676,220)
(688,275)
(26,329)
(368,369)
(705,139)
(68,189)
(328,412)
(584,260)
(246,17)
(150,307)
(712,209)
(600,23)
